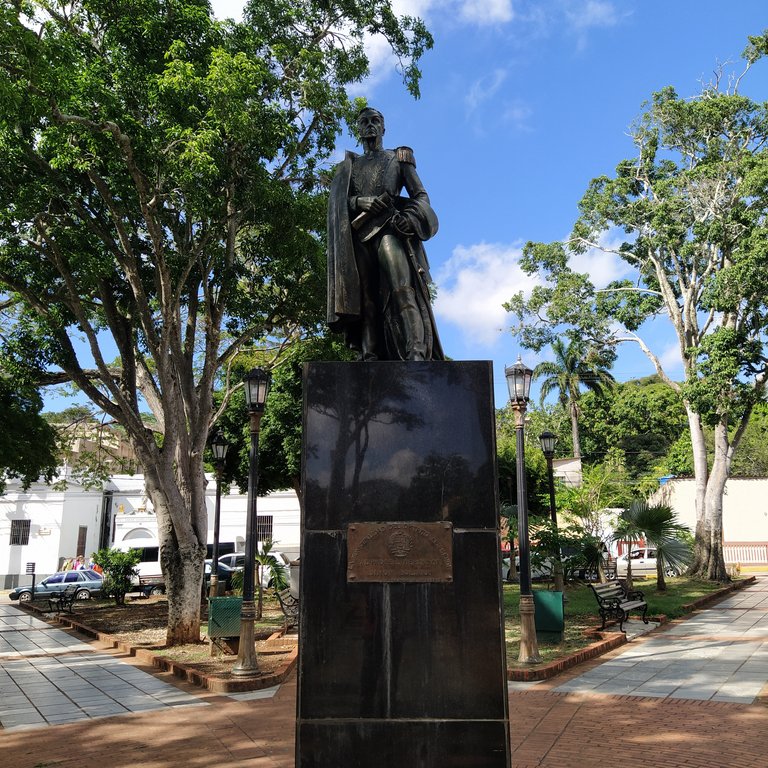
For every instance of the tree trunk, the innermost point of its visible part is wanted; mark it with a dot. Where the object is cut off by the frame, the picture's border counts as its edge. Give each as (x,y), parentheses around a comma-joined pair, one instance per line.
(183,580)
(575,430)
(701,473)
(661,582)
(178,497)
(709,562)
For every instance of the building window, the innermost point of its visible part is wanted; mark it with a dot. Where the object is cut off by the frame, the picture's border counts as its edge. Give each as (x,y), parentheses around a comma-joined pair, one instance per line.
(264,528)
(20,532)
(82,537)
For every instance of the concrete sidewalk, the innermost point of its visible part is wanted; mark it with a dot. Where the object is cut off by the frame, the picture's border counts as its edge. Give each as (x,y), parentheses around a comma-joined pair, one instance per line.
(50,676)
(718,654)
(560,723)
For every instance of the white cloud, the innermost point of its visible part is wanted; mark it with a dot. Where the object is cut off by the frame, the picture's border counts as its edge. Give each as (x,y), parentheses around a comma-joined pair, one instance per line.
(593,14)
(601,266)
(472,286)
(485,89)
(670,359)
(488,90)
(582,17)
(484,12)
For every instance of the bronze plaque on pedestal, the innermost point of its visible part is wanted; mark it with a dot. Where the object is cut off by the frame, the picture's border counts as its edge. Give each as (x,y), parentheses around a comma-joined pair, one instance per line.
(400,552)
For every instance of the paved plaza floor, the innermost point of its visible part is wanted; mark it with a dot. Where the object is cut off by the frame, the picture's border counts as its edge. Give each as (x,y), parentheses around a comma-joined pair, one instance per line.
(49,676)
(690,694)
(720,654)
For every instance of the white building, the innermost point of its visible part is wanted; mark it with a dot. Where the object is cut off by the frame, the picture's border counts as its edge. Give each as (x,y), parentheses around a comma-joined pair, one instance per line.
(745,516)
(43,527)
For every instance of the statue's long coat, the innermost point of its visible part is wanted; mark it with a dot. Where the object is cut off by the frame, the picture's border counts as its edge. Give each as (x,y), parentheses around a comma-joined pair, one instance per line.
(344,249)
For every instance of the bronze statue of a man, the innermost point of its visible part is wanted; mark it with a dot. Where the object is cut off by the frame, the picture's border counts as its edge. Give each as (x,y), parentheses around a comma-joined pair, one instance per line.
(378,274)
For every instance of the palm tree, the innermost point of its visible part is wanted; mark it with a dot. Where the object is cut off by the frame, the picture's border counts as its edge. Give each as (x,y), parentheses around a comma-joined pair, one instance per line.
(265,560)
(658,524)
(574,367)
(664,532)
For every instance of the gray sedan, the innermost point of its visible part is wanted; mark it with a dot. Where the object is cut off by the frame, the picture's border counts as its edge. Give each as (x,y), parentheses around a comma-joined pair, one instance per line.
(87,582)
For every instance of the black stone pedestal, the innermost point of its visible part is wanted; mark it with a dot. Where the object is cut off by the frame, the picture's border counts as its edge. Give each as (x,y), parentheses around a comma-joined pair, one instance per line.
(401,660)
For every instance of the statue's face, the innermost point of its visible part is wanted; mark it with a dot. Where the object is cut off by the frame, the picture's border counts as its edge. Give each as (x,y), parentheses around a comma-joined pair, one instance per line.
(370,125)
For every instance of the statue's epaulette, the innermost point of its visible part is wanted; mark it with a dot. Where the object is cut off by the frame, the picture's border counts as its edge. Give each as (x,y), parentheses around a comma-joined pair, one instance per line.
(405,155)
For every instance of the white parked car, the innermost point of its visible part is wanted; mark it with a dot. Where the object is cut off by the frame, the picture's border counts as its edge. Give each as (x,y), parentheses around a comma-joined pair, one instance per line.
(643,563)
(542,572)
(236,561)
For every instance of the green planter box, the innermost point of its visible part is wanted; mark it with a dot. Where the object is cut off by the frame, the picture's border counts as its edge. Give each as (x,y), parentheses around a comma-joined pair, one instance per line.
(549,616)
(224,616)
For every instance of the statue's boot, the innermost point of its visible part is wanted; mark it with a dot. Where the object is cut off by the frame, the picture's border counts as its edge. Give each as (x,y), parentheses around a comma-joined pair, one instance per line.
(411,323)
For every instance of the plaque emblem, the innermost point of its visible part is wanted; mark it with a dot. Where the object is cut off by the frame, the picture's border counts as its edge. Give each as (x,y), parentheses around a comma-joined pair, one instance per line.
(400,543)
(400,552)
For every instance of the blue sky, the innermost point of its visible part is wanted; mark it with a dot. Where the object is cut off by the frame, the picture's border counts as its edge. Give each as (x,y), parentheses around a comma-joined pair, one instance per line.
(522,104)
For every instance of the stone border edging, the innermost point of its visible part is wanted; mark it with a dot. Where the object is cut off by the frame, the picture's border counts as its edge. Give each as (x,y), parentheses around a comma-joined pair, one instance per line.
(615,639)
(544,672)
(212,682)
(722,592)
(217,684)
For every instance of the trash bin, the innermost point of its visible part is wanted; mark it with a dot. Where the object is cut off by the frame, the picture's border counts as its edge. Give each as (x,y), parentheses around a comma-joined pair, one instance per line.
(224,616)
(549,616)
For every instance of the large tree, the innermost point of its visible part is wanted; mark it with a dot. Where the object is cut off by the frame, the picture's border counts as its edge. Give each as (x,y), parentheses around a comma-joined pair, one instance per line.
(28,444)
(160,210)
(691,205)
(574,367)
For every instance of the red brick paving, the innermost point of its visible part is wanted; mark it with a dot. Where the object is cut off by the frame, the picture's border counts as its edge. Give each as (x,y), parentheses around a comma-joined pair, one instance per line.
(549,730)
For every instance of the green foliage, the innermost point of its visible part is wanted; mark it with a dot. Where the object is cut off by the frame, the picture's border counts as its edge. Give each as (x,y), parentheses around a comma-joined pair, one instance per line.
(537,482)
(160,194)
(28,444)
(575,366)
(641,419)
(603,487)
(119,568)
(265,562)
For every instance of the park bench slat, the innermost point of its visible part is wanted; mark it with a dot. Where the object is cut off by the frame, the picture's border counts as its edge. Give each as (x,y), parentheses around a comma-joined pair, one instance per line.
(64,600)
(289,604)
(615,601)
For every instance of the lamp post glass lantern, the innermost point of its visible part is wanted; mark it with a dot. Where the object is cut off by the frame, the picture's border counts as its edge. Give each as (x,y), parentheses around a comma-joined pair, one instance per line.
(256,385)
(219,448)
(548,441)
(519,383)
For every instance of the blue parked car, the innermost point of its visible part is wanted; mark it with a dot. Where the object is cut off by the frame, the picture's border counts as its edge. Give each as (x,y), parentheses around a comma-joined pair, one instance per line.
(87,582)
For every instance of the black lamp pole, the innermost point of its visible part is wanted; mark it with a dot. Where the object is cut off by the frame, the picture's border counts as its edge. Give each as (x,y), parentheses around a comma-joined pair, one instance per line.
(519,382)
(256,388)
(548,440)
(219,446)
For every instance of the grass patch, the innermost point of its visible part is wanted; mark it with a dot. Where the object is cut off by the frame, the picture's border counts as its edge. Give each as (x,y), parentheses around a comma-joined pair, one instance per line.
(581,613)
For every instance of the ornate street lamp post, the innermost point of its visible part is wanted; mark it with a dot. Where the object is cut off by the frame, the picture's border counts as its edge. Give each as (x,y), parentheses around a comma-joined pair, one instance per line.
(519,383)
(548,440)
(219,447)
(256,388)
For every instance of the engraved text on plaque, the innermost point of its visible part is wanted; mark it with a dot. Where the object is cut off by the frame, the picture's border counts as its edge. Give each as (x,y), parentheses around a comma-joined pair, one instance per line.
(400,552)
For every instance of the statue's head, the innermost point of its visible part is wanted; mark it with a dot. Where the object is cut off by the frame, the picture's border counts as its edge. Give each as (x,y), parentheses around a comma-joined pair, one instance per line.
(370,123)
